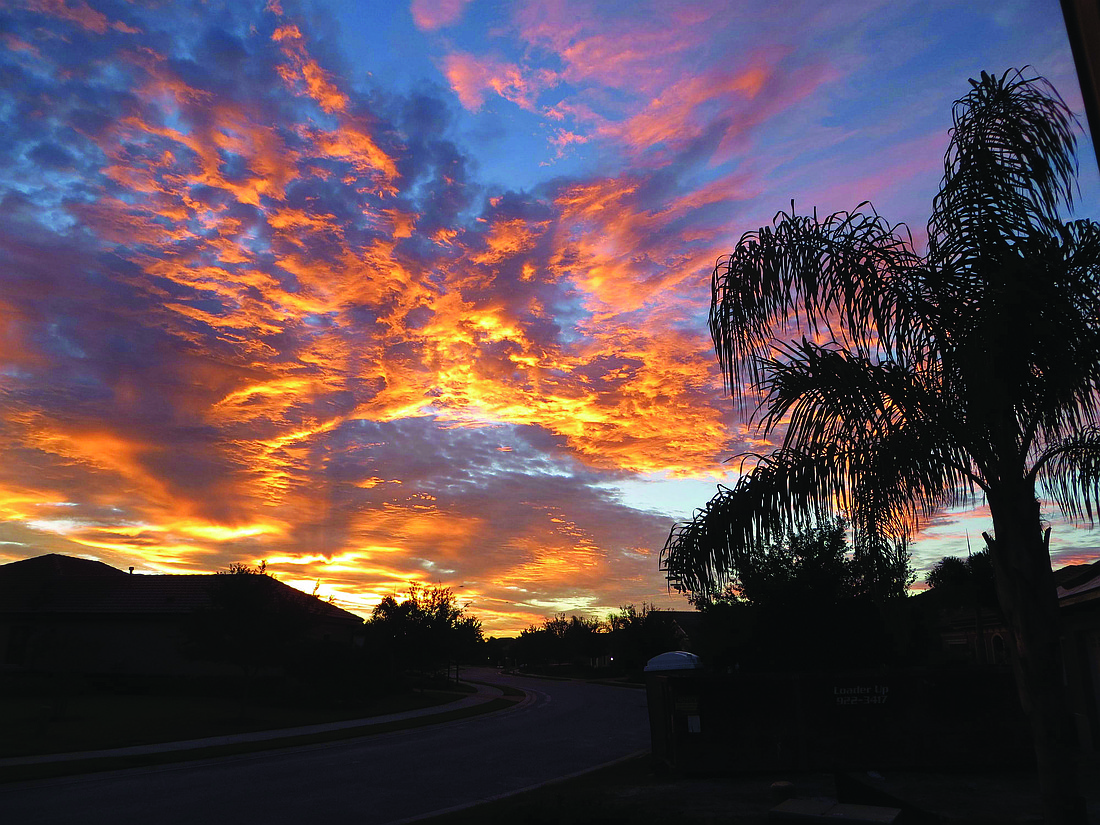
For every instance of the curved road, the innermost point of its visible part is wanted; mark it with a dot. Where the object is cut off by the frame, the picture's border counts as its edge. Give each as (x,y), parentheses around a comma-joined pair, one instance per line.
(559,729)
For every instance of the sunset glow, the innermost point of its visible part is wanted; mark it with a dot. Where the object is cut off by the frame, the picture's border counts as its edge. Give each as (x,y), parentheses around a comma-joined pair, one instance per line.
(418,293)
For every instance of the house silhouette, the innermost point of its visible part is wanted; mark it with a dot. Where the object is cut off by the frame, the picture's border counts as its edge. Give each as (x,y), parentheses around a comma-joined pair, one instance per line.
(60,614)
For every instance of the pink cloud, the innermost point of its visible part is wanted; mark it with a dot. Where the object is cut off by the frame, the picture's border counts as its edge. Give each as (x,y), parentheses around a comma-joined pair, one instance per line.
(435,14)
(671,117)
(563,139)
(81,14)
(472,78)
(624,50)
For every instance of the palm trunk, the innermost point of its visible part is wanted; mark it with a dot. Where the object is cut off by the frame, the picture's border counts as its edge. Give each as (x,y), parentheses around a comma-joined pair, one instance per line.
(1026,591)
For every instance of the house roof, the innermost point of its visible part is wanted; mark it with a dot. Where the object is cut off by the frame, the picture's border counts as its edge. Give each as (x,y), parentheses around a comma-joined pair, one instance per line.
(1071,581)
(53,565)
(55,585)
(1078,583)
(690,622)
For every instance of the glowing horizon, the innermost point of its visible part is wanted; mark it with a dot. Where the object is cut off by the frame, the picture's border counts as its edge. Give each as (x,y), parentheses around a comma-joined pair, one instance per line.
(419,293)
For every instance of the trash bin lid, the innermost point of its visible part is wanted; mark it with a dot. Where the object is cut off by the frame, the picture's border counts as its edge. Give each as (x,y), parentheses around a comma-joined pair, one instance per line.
(674,660)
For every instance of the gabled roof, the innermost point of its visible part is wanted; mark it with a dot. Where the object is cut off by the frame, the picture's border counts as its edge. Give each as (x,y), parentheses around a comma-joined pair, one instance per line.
(52,565)
(1078,583)
(57,584)
(166,595)
(1075,583)
(690,622)
(1074,574)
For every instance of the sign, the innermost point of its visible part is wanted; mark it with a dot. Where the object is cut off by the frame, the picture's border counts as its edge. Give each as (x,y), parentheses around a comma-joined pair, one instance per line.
(861,694)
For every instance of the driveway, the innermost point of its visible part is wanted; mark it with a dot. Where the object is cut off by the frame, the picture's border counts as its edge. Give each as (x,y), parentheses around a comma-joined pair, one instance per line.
(562,728)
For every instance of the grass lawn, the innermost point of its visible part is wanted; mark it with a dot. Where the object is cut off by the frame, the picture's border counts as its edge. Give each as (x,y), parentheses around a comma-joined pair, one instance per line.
(627,793)
(41,724)
(632,792)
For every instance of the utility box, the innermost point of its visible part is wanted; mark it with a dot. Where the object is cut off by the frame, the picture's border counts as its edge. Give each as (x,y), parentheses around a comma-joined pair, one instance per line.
(673,713)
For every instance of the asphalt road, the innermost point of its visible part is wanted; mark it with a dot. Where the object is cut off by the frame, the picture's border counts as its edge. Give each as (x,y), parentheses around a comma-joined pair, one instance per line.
(560,729)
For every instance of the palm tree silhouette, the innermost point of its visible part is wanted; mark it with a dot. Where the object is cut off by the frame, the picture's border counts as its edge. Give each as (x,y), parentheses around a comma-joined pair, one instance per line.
(900,383)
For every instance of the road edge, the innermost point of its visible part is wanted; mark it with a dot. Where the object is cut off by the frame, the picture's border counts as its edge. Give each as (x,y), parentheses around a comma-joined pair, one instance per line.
(167,753)
(454,809)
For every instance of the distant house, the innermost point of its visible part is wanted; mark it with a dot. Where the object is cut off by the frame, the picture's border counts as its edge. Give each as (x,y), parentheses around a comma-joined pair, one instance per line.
(1079,599)
(61,614)
(686,625)
(965,631)
(976,634)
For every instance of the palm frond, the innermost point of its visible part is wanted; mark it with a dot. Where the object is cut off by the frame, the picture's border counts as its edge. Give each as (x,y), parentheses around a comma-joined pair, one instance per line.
(868,411)
(1057,332)
(1029,345)
(783,489)
(904,477)
(884,489)
(1069,472)
(1010,166)
(851,274)
(832,395)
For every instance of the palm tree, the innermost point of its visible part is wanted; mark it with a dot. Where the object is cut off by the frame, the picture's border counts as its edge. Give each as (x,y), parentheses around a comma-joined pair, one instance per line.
(897,384)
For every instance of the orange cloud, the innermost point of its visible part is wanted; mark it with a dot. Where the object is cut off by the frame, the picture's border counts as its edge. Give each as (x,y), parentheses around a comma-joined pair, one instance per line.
(604,224)
(302,70)
(354,143)
(508,238)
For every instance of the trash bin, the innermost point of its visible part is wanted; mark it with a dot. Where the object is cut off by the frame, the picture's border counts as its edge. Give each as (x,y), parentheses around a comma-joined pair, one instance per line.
(665,705)
(673,660)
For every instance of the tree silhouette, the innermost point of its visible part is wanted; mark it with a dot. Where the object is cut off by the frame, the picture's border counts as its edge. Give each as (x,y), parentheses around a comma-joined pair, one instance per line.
(817,564)
(252,623)
(970,579)
(788,598)
(425,631)
(639,634)
(902,383)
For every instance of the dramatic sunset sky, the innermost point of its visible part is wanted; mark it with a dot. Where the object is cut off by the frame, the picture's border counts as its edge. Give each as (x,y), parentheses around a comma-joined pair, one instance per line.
(383,292)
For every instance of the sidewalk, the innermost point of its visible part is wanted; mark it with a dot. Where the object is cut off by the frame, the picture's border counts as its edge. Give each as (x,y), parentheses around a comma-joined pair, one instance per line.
(486,699)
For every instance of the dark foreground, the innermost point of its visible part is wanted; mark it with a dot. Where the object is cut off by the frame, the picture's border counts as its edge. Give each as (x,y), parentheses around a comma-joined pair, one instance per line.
(516,765)
(558,729)
(634,793)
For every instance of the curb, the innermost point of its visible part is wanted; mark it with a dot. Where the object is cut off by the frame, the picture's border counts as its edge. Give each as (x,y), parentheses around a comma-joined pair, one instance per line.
(604,682)
(46,768)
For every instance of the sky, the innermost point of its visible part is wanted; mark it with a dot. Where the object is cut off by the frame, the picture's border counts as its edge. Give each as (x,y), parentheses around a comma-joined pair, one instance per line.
(382,292)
